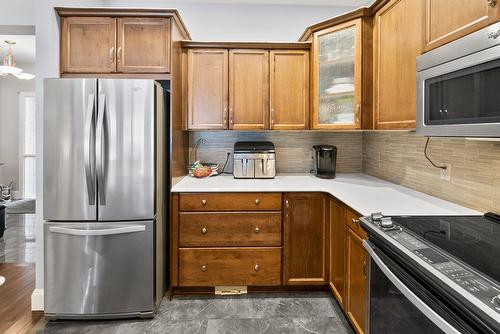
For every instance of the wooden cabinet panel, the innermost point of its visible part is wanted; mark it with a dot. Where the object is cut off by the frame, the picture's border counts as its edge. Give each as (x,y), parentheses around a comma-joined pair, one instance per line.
(229,266)
(305,225)
(88,44)
(143,45)
(337,246)
(448,20)
(397,42)
(229,229)
(357,261)
(230,202)
(337,73)
(248,89)
(207,88)
(289,71)
(352,221)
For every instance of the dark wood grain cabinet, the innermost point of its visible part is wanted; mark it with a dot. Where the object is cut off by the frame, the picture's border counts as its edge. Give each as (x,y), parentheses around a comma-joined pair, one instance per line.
(305,237)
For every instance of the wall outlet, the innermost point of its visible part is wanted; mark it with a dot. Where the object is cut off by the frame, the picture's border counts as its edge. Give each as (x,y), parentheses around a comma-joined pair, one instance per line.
(446,173)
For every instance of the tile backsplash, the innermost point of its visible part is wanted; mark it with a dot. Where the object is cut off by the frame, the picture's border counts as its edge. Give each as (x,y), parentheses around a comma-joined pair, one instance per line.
(293,148)
(397,157)
(475,166)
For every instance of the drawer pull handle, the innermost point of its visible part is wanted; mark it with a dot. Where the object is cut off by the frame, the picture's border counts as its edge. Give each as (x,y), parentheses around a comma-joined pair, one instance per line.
(203,268)
(257,268)
(355,221)
(257,230)
(203,202)
(204,230)
(257,201)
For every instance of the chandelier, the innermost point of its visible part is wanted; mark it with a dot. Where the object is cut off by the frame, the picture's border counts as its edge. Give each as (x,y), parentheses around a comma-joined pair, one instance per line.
(9,65)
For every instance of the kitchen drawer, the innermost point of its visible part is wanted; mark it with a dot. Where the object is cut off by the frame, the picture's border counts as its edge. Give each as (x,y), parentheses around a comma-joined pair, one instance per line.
(230,266)
(352,220)
(230,229)
(230,202)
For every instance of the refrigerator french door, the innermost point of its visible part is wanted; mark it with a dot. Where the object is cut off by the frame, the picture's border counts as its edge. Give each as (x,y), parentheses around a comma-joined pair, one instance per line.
(98,203)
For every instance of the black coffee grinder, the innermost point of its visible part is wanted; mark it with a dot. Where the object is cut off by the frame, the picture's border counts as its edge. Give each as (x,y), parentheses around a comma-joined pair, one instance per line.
(325,158)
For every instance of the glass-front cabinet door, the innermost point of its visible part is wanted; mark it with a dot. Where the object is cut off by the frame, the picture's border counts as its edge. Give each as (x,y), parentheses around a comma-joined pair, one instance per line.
(337,77)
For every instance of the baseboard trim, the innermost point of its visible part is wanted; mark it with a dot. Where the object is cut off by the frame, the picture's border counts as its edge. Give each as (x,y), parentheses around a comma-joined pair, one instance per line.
(37,300)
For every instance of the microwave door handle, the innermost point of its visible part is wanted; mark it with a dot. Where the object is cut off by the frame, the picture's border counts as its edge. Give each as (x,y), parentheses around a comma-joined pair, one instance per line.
(98,232)
(88,148)
(414,299)
(100,148)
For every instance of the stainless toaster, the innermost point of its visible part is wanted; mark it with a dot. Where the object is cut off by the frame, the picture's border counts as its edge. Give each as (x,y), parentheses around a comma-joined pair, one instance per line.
(254,160)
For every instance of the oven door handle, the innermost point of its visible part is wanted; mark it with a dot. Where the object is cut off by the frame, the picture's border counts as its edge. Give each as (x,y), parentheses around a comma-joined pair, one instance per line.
(412,297)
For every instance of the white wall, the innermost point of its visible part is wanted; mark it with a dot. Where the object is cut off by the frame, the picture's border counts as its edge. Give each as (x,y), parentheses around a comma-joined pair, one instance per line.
(18,12)
(9,124)
(241,22)
(204,21)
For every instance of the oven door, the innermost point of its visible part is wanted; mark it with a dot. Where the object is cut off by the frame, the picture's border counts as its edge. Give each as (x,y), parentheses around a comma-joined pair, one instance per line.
(457,92)
(398,303)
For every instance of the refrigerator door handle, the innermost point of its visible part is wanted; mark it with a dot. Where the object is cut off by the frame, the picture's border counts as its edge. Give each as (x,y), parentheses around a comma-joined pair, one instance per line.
(108,231)
(100,149)
(88,149)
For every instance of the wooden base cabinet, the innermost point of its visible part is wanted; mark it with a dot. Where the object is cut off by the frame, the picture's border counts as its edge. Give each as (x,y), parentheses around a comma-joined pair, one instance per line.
(337,249)
(305,231)
(226,239)
(356,271)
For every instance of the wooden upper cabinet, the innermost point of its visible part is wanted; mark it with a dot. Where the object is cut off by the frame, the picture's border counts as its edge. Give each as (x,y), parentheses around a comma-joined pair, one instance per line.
(397,43)
(289,86)
(357,267)
(448,20)
(207,88)
(337,72)
(249,89)
(305,230)
(337,247)
(143,45)
(88,44)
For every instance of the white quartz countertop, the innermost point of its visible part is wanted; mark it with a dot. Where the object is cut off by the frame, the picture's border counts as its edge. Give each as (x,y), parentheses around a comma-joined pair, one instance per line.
(363,193)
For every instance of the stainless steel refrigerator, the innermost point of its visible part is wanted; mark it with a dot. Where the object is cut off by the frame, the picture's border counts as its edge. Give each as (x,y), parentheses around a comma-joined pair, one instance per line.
(99,194)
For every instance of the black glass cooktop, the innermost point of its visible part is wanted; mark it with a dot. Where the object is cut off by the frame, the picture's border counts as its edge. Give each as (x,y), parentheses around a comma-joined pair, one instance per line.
(473,239)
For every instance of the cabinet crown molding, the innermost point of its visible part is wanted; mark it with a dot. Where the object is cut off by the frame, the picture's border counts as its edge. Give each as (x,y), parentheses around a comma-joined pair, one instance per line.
(126,12)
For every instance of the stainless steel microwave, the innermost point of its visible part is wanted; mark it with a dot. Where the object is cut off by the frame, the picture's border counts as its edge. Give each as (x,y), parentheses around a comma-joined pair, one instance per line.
(458,87)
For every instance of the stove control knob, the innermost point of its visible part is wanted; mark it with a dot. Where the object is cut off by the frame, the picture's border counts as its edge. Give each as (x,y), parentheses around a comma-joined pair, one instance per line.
(377,216)
(386,222)
(496,300)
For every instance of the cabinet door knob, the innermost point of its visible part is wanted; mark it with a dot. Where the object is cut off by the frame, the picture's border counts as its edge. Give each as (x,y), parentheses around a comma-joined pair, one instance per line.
(355,221)
(257,268)
(203,268)
(287,204)
(257,230)
(492,3)
(257,201)
(204,230)
(203,202)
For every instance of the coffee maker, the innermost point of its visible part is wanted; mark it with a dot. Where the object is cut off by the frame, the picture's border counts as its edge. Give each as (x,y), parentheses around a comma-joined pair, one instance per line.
(325,158)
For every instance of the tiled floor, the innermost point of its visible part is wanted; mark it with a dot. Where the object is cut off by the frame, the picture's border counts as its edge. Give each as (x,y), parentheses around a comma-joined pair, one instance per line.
(314,312)
(18,242)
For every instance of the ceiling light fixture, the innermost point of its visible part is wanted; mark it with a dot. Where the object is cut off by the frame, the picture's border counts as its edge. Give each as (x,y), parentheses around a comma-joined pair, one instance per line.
(9,65)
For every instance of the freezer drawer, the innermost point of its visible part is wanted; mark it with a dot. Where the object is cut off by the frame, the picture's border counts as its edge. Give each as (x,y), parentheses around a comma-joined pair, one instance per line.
(99,269)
